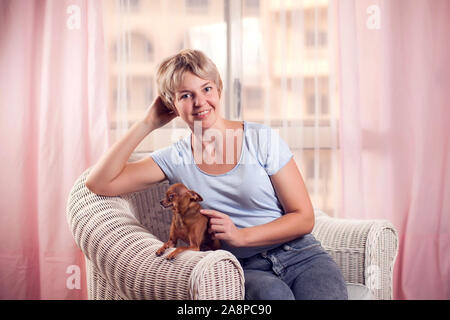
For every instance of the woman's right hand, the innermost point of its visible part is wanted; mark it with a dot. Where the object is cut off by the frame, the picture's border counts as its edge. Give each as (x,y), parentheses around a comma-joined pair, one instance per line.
(157,115)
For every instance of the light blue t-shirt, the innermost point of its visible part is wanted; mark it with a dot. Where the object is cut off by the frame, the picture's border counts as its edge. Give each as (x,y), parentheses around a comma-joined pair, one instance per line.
(245,192)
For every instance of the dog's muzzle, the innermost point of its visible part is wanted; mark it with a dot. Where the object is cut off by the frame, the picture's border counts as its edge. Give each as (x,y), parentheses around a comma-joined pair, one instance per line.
(164,204)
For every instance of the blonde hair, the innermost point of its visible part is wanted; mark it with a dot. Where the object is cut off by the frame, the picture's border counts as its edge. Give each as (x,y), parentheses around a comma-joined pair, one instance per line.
(171,71)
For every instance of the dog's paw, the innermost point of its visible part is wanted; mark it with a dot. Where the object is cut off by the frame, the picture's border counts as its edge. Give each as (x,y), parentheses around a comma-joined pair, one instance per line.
(171,256)
(160,251)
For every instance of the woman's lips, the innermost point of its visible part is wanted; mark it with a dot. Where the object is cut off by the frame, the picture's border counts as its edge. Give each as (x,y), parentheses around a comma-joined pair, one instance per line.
(203,114)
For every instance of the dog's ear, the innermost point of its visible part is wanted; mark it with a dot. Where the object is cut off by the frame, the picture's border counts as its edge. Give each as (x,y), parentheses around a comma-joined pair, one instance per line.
(195,196)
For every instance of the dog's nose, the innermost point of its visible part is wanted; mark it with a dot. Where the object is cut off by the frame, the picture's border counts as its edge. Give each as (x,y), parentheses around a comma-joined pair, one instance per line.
(164,203)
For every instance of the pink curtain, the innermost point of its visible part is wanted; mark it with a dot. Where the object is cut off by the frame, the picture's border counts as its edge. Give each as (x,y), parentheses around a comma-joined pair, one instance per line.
(395,102)
(53,125)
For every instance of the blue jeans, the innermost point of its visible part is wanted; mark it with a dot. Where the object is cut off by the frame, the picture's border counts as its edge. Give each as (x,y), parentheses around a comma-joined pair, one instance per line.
(296,270)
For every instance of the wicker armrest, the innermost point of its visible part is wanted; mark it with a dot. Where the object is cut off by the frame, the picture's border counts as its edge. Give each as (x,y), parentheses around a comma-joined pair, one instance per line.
(122,251)
(365,250)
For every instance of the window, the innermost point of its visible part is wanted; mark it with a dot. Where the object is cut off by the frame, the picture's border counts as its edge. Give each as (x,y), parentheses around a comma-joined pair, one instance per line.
(135,4)
(251,7)
(288,87)
(197,6)
(134,48)
(138,40)
(252,98)
(276,51)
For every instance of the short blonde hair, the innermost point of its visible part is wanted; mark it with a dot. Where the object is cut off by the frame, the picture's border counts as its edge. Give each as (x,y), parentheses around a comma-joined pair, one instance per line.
(171,71)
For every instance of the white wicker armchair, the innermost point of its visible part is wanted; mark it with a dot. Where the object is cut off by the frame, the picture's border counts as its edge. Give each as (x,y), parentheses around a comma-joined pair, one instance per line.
(120,235)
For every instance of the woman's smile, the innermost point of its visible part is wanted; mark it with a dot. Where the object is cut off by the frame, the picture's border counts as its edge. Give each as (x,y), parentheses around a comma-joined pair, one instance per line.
(202,114)
(197,99)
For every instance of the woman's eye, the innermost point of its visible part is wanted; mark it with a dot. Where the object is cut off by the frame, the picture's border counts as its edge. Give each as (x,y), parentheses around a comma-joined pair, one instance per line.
(207,89)
(185,96)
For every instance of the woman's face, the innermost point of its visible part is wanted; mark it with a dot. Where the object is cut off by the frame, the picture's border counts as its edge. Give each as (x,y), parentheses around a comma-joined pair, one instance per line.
(198,99)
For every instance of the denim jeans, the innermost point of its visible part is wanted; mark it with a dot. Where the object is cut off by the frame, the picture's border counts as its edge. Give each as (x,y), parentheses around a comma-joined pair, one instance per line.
(299,269)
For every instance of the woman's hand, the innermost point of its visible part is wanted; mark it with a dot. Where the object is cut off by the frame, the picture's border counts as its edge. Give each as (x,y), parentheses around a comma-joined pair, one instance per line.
(222,228)
(158,114)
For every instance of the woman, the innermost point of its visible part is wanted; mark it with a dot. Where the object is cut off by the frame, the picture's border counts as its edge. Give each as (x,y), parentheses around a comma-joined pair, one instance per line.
(253,191)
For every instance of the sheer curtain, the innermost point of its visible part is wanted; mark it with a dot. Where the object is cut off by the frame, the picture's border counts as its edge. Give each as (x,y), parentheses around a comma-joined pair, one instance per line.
(395,80)
(289,83)
(53,126)
(276,59)
(139,35)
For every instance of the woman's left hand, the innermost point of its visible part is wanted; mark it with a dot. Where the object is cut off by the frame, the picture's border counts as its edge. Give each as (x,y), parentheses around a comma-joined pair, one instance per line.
(222,228)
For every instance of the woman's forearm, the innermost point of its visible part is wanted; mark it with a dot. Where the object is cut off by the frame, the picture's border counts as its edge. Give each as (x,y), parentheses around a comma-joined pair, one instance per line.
(288,227)
(114,160)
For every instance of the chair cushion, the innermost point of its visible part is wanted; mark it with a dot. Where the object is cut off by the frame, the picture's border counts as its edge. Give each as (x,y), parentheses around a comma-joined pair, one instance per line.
(358,291)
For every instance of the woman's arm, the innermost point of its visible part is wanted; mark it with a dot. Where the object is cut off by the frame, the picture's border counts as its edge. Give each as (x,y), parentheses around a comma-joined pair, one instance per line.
(297,221)
(112,175)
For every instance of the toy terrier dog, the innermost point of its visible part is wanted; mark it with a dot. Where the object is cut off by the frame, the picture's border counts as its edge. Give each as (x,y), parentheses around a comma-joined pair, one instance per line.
(188,224)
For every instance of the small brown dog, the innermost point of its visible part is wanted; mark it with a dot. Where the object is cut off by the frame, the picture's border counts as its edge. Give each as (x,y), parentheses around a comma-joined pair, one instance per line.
(188,224)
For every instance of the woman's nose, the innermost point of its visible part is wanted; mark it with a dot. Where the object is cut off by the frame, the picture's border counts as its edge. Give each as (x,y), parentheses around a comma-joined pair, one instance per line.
(199,101)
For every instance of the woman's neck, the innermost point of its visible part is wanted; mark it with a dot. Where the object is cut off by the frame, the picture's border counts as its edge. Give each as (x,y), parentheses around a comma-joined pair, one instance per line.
(212,142)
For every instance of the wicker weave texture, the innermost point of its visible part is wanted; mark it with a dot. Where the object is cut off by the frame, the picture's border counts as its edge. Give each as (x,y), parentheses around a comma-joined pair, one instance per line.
(365,250)
(120,252)
(120,235)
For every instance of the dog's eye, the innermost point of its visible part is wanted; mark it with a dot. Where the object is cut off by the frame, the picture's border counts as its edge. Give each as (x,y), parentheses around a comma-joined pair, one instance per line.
(171,196)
